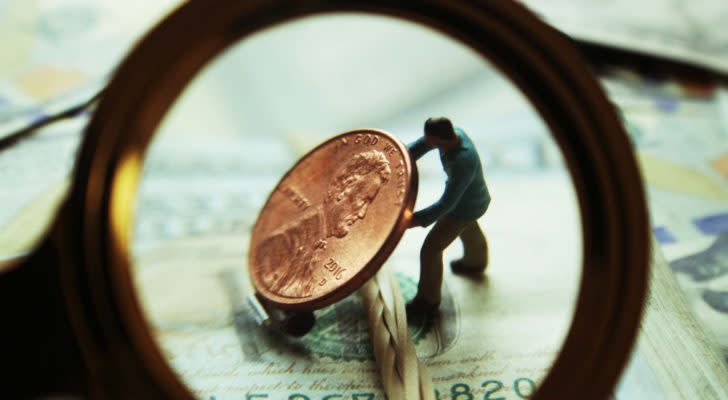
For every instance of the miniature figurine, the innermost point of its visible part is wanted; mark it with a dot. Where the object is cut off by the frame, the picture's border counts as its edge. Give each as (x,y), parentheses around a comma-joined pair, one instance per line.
(455,214)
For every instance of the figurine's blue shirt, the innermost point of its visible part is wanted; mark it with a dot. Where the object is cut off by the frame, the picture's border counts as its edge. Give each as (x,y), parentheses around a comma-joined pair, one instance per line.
(466,196)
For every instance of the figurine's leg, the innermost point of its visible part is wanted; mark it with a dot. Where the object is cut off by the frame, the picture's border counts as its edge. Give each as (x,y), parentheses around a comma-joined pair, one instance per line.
(475,252)
(475,246)
(440,236)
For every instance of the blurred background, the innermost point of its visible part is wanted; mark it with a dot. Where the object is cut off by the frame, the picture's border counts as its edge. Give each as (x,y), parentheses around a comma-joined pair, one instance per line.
(251,113)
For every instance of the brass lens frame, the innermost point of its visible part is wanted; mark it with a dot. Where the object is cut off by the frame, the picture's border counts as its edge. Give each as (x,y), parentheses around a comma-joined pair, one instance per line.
(91,232)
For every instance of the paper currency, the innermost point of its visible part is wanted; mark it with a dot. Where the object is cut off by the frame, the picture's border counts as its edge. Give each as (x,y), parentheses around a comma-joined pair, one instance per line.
(687,31)
(681,136)
(34,176)
(59,53)
(675,357)
(497,335)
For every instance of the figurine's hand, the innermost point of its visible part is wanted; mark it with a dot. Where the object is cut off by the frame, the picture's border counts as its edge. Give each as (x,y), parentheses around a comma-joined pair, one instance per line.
(414,222)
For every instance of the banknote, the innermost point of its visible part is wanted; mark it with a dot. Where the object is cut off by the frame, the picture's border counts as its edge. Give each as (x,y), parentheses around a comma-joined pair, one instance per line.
(34,176)
(55,54)
(675,356)
(681,138)
(681,30)
(496,336)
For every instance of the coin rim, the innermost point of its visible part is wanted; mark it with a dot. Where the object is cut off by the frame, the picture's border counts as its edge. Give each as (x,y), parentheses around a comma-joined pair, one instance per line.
(376,261)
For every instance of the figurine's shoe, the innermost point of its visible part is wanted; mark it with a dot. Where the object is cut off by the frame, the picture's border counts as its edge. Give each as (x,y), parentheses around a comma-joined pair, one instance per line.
(419,306)
(460,268)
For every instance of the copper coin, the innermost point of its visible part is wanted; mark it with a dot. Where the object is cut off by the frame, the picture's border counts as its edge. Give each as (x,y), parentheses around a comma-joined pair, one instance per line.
(332,220)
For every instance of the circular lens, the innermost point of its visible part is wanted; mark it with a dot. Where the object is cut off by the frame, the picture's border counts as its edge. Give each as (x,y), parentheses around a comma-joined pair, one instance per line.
(249,117)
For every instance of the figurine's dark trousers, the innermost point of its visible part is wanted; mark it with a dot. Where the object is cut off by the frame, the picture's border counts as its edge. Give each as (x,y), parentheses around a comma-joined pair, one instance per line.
(445,231)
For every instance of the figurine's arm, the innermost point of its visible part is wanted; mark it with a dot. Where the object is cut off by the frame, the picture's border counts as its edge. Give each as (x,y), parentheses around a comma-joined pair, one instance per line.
(418,148)
(460,176)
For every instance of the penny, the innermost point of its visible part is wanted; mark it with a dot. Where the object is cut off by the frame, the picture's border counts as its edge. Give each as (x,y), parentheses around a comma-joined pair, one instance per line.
(332,220)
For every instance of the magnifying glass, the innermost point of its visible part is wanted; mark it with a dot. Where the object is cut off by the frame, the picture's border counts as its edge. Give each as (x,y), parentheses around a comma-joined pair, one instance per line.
(97,299)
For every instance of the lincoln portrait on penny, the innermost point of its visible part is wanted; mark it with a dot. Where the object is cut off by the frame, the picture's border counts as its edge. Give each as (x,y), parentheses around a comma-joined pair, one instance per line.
(290,255)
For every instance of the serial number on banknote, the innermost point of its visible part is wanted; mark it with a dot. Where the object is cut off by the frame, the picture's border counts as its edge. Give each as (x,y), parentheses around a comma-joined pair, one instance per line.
(489,389)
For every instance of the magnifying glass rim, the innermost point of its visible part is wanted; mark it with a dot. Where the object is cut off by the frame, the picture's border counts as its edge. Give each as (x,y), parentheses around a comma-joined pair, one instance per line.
(539,60)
